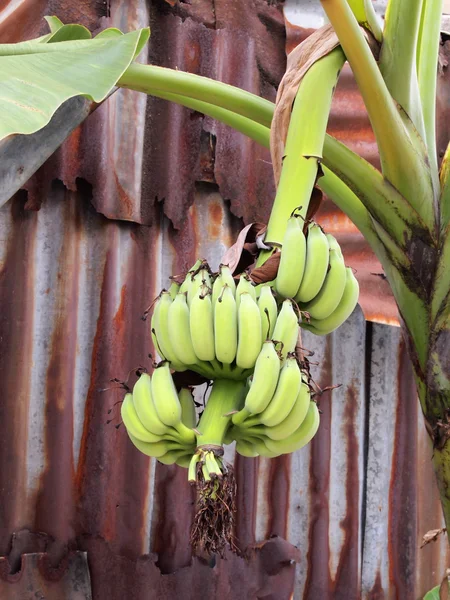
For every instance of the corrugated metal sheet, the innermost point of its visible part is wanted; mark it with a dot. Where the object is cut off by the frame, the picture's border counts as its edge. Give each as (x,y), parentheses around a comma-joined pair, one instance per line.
(348,511)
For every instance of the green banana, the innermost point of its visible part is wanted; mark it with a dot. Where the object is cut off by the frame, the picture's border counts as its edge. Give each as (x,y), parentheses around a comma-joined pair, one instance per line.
(200,279)
(157,449)
(264,383)
(145,408)
(292,260)
(268,309)
(165,396)
(294,419)
(245,448)
(174,289)
(333,243)
(223,277)
(174,456)
(286,328)
(327,300)
(167,403)
(160,329)
(179,330)
(301,436)
(184,288)
(132,422)
(285,395)
(225,326)
(184,460)
(201,324)
(316,266)
(345,308)
(244,286)
(249,332)
(188,412)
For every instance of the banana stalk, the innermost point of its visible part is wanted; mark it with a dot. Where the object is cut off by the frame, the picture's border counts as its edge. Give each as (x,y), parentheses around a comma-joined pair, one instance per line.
(304,144)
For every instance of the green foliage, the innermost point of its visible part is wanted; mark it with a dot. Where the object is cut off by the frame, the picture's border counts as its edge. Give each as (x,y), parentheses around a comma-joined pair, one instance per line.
(38,76)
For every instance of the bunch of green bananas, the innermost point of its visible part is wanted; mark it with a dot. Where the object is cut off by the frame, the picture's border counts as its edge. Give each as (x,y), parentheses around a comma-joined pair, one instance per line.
(312,272)
(278,416)
(215,327)
(159,421)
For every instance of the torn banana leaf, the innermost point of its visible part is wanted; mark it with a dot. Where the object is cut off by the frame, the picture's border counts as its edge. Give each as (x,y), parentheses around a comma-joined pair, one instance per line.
(40,76)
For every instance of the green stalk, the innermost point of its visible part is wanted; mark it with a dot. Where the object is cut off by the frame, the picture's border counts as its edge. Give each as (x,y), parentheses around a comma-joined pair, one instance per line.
(398,56)
(380,198)
(252,129)
(143,78)
(304,144)
(366,16)
(402,164)
(226,396)
(428,51)
(345,199)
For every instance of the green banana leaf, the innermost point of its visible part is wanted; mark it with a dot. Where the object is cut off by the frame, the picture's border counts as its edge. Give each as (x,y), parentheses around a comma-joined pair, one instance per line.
(432,594)
(42,76)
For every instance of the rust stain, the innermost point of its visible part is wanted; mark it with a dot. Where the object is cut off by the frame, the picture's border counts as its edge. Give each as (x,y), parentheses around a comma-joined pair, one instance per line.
(402,526)
(347,581)
(377,592)
(278,495)
(318,581)
(54,503)
(16,324)
(246,472)
(215,218)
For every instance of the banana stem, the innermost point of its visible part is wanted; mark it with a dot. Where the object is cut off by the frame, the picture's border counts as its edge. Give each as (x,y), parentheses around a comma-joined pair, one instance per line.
(427,63)
(226,396)
(304,144)
(398,56)
(144,78)
(402,163)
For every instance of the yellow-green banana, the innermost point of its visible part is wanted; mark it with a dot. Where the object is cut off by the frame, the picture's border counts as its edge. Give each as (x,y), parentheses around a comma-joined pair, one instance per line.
(145,408)
(132,422)
(249,332)
(201,323)
(200,279)
(327,300)
(345,308)
(244,286)
(268,309)
(157,449)
(160,328)
(285,394)
(286,328)
(292,260)
(174,289)
(224,276)
(245,448)
(188,412)
(225,326)
(301,436)
(179,330)
(168,404)
(316,266)
(294,419)
(264,383)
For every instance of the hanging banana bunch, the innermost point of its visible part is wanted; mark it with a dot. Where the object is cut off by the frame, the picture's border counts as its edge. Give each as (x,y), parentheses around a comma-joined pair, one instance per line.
(312,271)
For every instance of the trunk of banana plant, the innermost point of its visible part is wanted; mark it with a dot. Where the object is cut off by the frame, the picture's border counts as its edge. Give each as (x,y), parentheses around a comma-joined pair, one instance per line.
(434,390)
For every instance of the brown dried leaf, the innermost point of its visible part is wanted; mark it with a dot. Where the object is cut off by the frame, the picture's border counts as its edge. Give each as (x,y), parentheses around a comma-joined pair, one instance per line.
(432,536)
(268,271)
(246,239)
(317,45)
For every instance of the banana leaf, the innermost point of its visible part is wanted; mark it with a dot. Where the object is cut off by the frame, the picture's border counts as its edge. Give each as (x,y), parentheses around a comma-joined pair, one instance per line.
(41,82)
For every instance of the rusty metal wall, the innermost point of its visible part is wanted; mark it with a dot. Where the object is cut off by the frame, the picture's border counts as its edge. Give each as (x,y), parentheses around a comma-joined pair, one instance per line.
(139,192)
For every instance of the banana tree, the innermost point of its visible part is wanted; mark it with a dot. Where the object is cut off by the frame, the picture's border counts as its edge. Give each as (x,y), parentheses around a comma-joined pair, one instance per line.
(403,210)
